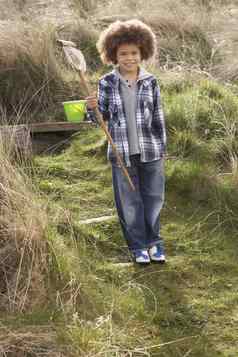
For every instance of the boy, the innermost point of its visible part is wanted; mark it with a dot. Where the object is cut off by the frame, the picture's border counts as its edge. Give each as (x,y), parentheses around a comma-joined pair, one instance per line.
(129,99)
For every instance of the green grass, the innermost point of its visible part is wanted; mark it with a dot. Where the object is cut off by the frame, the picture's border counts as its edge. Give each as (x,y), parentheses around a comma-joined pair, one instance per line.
(114,308)
(101,304)
(79,179)
(98,303)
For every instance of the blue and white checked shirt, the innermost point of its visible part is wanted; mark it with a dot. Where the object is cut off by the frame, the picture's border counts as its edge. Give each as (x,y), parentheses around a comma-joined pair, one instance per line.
(149,117)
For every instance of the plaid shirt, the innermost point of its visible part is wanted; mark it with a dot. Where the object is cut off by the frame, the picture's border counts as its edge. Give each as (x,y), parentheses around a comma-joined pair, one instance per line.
(149,117)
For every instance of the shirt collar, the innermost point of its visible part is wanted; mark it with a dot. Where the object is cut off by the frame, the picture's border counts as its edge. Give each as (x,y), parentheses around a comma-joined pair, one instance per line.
(143,75)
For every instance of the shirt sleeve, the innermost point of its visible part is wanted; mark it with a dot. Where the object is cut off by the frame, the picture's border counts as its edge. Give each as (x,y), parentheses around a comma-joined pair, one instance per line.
(103,102)
(158,115)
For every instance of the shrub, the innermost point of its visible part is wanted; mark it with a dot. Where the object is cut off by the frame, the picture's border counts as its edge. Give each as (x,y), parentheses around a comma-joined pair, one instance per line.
(208,109)
(183,143)
(191,111)
(190,180)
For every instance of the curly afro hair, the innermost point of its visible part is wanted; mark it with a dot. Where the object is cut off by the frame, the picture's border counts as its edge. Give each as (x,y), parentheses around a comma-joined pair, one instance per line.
(131,31)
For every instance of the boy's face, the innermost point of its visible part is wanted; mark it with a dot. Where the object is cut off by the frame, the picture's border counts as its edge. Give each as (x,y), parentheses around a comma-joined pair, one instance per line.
(128,58)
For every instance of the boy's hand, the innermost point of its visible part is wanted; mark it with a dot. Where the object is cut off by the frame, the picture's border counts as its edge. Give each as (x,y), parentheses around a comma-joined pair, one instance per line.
(92,101)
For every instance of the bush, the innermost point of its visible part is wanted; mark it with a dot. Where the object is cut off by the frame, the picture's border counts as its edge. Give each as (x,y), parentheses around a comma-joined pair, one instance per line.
(203,119)
(191,111)
(208,109)
(190,180)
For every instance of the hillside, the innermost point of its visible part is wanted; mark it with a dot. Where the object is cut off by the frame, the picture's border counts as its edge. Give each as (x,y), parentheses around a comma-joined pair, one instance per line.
(68,286)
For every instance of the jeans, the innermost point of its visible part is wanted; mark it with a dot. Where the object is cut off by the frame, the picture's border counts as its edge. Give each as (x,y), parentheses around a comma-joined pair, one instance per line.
(139,210)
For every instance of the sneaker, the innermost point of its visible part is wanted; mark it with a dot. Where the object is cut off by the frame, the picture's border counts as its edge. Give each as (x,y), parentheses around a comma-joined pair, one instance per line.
(156,254)
(142,257)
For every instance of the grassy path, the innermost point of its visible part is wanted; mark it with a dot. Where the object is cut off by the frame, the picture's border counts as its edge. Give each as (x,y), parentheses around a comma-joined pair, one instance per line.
(186,308)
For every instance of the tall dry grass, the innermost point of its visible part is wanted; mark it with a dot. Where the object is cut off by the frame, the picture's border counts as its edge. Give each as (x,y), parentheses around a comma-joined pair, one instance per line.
(34,79)
(24,343)
(197,34)
(30,79)
(183,37)
(34,76)
(23,246)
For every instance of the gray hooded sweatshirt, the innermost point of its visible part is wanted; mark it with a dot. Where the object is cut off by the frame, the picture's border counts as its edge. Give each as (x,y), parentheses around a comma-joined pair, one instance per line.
(129,97)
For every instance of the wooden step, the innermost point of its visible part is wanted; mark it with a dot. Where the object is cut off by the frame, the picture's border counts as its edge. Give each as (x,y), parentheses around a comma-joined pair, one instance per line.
(98,219)
(56,127)
(38,138)
(48,127)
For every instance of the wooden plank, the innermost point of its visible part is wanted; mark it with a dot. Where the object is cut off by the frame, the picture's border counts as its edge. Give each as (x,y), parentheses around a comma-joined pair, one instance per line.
(97,220)
(47,127)
(57,127)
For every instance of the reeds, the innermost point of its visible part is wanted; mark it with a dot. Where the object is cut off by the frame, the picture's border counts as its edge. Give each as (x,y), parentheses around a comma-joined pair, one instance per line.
(23,247)
(34,78)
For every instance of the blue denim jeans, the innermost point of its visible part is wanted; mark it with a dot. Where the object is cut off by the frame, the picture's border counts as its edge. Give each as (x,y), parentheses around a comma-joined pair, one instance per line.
(139,211)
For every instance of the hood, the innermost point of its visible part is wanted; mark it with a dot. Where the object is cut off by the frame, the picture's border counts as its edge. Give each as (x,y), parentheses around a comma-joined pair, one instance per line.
(143,74)
(113,78)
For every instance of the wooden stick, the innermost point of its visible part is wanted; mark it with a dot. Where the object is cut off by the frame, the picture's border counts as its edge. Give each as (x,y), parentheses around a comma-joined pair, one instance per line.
(104,127)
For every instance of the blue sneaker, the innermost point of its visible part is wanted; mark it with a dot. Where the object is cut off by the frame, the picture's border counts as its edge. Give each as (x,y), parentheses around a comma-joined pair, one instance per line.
(142,257)
(156,254)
